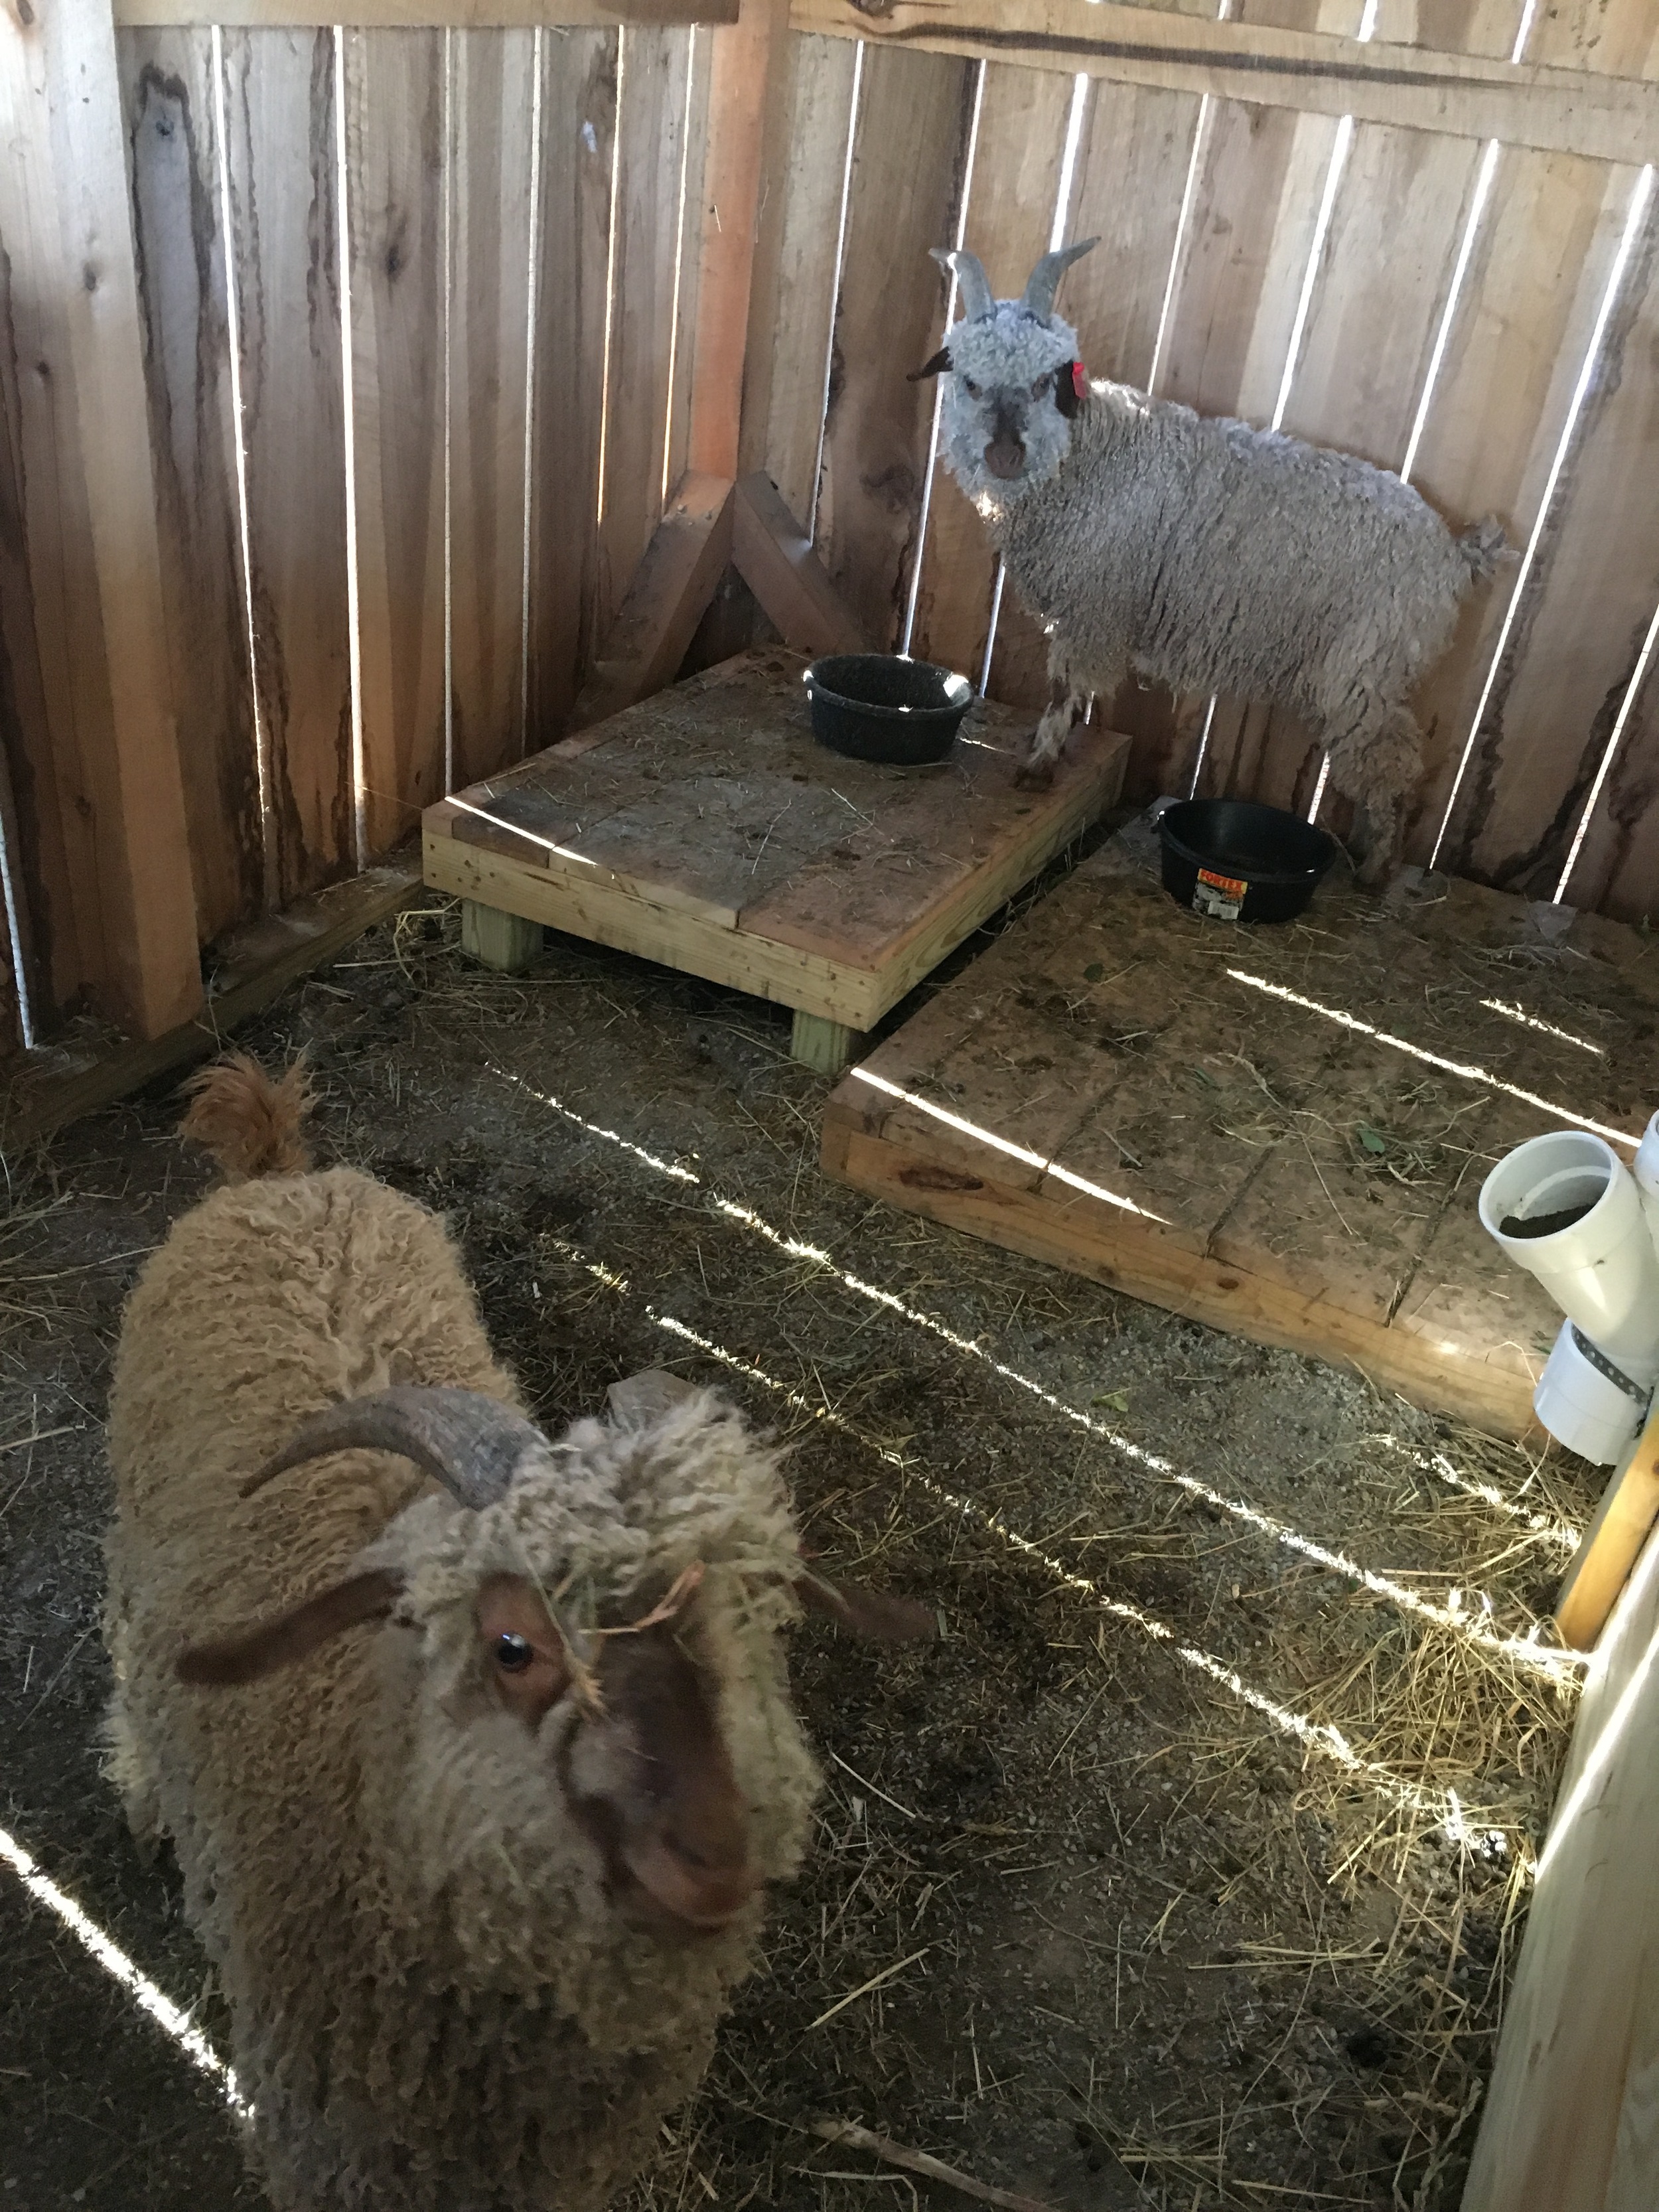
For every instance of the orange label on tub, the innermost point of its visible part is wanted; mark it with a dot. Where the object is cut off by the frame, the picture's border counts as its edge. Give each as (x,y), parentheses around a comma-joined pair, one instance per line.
(1230,884)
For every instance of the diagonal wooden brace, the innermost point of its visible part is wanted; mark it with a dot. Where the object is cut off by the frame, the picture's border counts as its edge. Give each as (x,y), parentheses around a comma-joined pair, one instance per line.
(683,563)
(1612,1543)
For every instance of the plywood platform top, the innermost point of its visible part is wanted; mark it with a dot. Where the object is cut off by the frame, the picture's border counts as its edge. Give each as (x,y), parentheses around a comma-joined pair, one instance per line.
(704,828)
(1280,1131)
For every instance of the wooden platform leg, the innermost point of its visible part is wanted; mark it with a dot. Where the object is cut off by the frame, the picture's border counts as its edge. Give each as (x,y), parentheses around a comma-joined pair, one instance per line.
(825,1047)
(504,941)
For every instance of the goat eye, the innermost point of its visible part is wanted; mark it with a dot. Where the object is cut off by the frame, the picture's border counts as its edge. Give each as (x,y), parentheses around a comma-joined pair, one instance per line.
(512,1653)
(1041,387)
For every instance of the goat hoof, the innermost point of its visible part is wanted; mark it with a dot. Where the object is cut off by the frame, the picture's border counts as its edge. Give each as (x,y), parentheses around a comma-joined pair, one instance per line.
(1036,775)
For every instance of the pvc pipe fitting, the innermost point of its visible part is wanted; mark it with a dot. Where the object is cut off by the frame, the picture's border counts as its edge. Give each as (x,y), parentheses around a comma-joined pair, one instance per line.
(1601,1266)
(1582,1408)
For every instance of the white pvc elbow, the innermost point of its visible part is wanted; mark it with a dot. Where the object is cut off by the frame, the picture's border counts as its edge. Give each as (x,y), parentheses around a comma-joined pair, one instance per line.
(1600,1267)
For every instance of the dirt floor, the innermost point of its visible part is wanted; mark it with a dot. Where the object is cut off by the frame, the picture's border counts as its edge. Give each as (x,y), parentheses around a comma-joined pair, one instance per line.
(1187,1869)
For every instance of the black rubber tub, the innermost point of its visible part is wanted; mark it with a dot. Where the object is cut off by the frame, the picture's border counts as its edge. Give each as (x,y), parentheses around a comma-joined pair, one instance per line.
(1241,862)
(878,707)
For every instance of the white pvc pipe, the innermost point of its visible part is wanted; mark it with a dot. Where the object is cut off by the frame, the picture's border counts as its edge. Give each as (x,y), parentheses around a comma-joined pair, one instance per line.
(1602,1268)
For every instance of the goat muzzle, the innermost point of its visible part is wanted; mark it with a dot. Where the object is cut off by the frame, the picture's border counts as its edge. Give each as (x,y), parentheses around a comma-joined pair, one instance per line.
(692,1889)
(1005,457)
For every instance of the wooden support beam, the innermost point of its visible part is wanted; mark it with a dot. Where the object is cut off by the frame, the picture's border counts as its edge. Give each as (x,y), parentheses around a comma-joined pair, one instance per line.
(748,111)
(666,602)
(93,550)
(771,552)
(419,14)
(1612,1543)
(1608,119)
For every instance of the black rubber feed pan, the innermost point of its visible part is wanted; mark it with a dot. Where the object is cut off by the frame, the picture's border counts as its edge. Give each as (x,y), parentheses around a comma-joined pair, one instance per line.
(880,707)
(1241,862)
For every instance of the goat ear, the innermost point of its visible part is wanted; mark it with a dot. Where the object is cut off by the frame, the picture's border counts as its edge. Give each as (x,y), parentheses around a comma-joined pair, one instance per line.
(1068,395)
(290,1637)
(872,1614)
(939,363)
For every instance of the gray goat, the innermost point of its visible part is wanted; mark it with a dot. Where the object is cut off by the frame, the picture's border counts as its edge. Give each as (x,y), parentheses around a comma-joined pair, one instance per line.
(1198,551)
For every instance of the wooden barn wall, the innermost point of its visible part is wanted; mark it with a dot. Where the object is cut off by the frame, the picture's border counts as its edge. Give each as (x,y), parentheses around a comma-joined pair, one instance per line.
(1445,320)
(416,310)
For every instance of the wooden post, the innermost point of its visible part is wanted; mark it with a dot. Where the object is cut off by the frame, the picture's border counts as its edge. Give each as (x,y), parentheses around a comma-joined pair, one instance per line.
(747,114)
(497,940)
(89,502)
(1611,1544)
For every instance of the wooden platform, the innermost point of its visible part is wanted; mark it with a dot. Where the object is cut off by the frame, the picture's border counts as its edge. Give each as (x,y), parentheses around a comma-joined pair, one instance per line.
(1118,1086)
(705,829)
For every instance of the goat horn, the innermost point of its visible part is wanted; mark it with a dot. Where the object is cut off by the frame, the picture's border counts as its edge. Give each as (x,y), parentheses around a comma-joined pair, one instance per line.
(473,1444)
(977,298)
(1044,280)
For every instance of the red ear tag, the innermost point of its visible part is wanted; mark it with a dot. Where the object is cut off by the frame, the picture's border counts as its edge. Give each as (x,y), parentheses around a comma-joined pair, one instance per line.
(1079,379)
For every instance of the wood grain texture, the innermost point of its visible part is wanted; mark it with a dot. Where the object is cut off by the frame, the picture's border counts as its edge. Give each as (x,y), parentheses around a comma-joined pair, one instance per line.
(697,185)
(784,381)
(280,94)
(702,829)
(1568,2117)
(745,87)
(1136,1113)
(55,904)
(579,121)
(1516,348)
(88,496)
(170,111)
(913,118)
(650,118)
(394,159)
(771,553)
(1588,602)
(492,103)
(689,552)
(426,14)
(1374,311)
(1611,1546)
(1609,117)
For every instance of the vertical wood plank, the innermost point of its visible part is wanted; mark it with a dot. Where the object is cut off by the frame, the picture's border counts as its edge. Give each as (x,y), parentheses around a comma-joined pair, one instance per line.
(1375,308)
(697,184)
(394,154)
(492,100)
(281,123)
(1617,872)
(1233,291)
(650,126)
(168,94)
(1524,322)
(89,498)
(785,415)
(579,121)
(51,850)
(907,171)
(1572,655)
